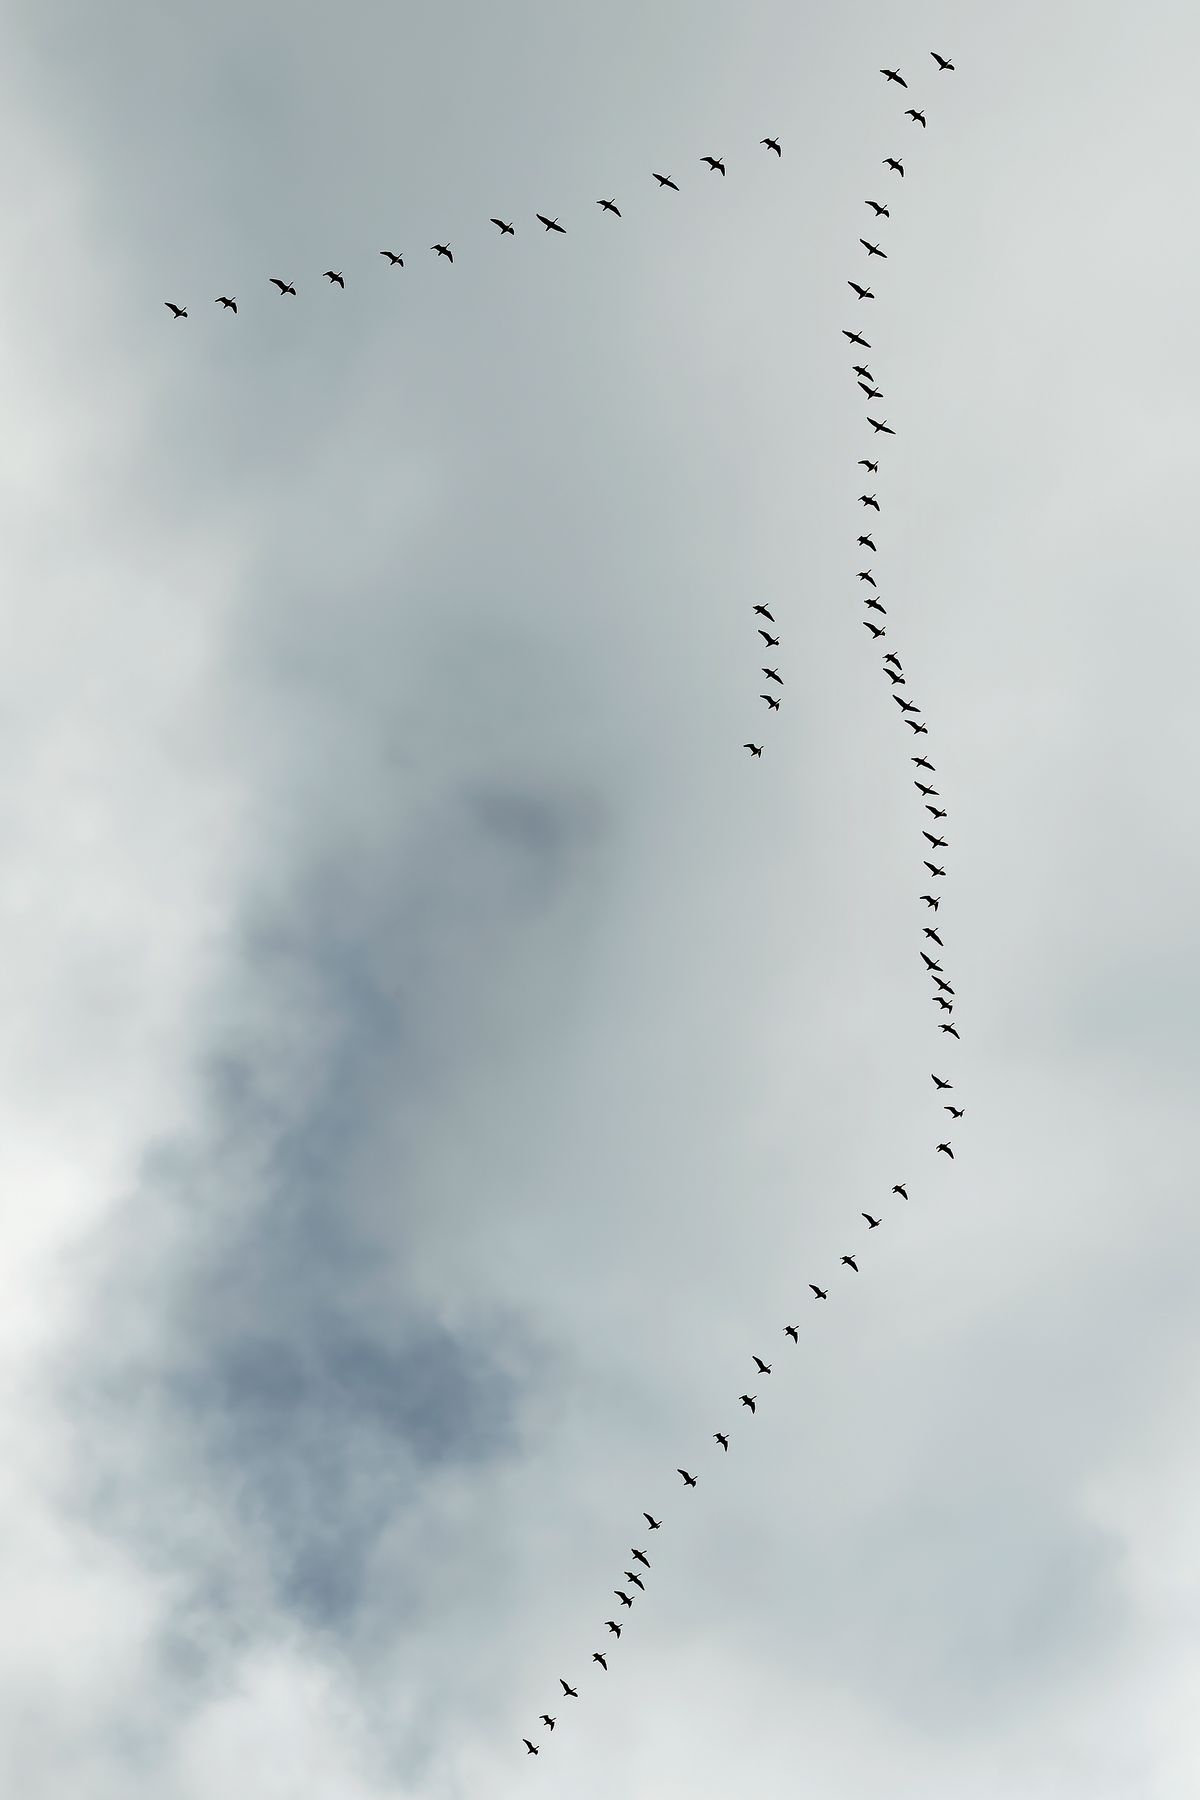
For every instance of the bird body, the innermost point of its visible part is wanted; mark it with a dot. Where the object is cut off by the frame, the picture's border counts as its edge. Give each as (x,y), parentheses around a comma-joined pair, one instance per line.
(721,1439)
(821,1293)
(766,613)
(869,500)
(864,463)
(772,144)
(946,1151)
(881,425)
(532,1748)
(872,249)
(773,675)
(855,338)
(880,211)
(852,1263)
(392,257)
(623,1597)
(664,181)
(893,162)
(894,75)
(754,749)
(551,224)
(610,206)
(689,1480)
(767,638)
(771,701)
(228,301)
(654,1524)
(547,1720)
(506,229)
(748,1400)
(443,250)
(639,1556)
(901,1190)
(862,292)
(335,278)
(790,1331)
(602,1660)
(918,118)
(568,1689)
(715,163)
(944,64)
(872,1223)
(178,312)
(613,1627)
(285,287)
(762,1367)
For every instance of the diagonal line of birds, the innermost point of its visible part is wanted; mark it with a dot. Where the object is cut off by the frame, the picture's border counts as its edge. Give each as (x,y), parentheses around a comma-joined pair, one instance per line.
(506,228)
(944,997)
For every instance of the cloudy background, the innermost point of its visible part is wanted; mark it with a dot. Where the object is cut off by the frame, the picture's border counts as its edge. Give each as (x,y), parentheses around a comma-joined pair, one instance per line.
(435,1058)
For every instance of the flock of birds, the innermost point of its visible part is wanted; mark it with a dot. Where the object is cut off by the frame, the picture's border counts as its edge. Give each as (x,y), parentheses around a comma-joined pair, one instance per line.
(943,995)
(506,228)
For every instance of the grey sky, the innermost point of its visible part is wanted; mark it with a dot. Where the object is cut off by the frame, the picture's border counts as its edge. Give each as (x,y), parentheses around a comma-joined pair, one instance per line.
(434,1059)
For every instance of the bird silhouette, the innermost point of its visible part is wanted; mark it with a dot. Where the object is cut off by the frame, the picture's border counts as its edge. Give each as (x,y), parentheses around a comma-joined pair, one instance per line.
(944,64)
(551,224)
(894,75)
(665,181)
(506,229)
(855,338)
(622,1597)
(930,931)
(891,657)
(602,1660)
(880,211)
(640,1556)
(932,867)
(636,1579)
(920,731)
(762,1367)
(773,675)
(869,500)
(951,1029)
(178,312)
(771,701)
(715,163)
(862,370)
(906,706)
(941,1000)
(547,1720)
(392,257)
(872,393)
(937,812)
(923,762)
(881,425)
(894,162)
(864,463)
(754,749)
(772,144)
(766,613)
(901,1189)
(335,278)
(767,638)
(654,1524)
(956,1112)
(931,900)
(721,1439)
(613,1627)
(228,301)
(285,287)
(874,604)
(922,789)
(935,843)
(568,1689)
(862,292)
(946,1151)
(918,118)
(821,1293)
(872,1223)
(929,962)
(893,677)
(852,1263)
(748,1400)
(875,630)
(532,1748)
(689,1480)
(610,206)
(443,250)
(939,1083)
(872,249)
(866,575)
(790,1331)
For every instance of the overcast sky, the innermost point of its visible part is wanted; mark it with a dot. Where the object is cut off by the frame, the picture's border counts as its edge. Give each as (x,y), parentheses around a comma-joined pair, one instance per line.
(435,1057)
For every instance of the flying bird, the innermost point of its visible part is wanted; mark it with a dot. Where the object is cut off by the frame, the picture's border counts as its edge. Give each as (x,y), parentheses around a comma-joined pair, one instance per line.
(866,575)
(547,1720)
(891,657)
(568,1689)
(901,1190)
(228,301)
(872,393)
(876,605)
(935,843)
(867,543)
(790,1331)
(923,762)
(772,144)
(640,1556)
(664,181)
(762,1367)
(881,212)
(623,1598)
(285,287)
(930,900)
(863,463)
(532,1748)
(906,706)
(602,1660)
(939,1084)
(893,162)
(869,500)
(721,1439)
(855,338)
(179,312)
(551,224)
(956,1112)
(636,1579)
(872,1222)
(938,812)
(689,1480)
(872,249)
(773,675)
(851,1261)
(766,636)
(922,789)
(930,931)
(929,962)
(918,118)
(881,425)
(748,1400)
(949,1028)
(443,250)
(654,1524)
(946,1151)
(392,257)
(506,229)
(862,292)
(862,370)
(875,630)
(754,749)
(613,1627)
(943,63)
(920,730)
(892,676)
(894,75)
(715,163)
(335,275)
(766,613)
(941,1000)
(821,1293)
(610,206)
(771,701)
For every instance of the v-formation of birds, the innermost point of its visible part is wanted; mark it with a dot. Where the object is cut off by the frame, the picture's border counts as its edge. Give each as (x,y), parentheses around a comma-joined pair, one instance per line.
(506,227)
(867,545)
